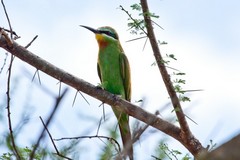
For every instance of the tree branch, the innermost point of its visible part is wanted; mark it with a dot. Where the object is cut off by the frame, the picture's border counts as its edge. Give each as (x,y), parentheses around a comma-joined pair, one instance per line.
(228,150)
(96,92)
(163,70)
(186,134)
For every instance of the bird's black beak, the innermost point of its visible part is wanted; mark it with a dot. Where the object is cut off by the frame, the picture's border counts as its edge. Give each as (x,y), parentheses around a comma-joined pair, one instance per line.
(91,29)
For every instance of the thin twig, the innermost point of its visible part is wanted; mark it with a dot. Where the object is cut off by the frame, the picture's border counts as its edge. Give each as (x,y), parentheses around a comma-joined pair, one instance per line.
(54,145)
(8,82)
(57,103)
(130,16)
(4,62)
(112,140)
(8,109)
(9,23)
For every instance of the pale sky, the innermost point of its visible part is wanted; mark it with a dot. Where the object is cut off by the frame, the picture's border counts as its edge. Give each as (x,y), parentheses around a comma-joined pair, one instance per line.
(203,35)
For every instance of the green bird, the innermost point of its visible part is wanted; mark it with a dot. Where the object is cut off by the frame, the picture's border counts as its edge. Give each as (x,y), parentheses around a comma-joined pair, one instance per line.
(114,72)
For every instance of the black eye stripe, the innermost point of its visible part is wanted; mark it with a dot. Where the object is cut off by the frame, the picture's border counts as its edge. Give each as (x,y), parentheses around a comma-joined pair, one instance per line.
(109,34)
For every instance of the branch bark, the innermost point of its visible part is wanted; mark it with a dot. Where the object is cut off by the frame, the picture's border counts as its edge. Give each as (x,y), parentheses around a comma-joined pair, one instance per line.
(165,76)
(186,133)
(228,150)
(102,95)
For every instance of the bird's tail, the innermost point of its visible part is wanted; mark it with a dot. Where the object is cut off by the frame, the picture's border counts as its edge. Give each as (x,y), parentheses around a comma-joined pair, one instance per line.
(123,122)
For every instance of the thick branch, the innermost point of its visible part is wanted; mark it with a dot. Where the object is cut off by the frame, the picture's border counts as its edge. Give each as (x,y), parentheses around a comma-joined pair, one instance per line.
(83,86)
(102,95)
(228,150)
(186,134)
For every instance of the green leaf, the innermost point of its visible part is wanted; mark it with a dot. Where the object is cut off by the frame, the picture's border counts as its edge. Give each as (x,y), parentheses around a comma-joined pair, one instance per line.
(153,15)
(176,152)
(136,6)
(164,61)
(172,56)
(182,81)
(184,98)
(178,89)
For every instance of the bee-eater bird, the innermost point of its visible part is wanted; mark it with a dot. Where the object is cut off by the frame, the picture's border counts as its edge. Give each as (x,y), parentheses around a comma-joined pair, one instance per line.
(114,72)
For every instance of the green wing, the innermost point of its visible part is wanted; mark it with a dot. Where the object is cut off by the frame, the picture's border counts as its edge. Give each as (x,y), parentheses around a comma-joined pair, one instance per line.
(125,73)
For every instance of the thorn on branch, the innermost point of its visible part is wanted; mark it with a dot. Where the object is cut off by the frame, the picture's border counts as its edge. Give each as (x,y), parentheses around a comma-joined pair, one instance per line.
(30,43)
(102,104)
(60,86)
(157,25)
(82,97)
(136,39)
(6,14)
(37,72)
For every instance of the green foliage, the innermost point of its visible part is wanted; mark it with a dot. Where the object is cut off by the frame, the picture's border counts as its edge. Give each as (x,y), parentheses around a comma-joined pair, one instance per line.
(163,152)
(137,25)
(179,90)
(136,6)
(7,156)
(24,154)
(149,14)
(178,82)
(110,148)
(184,98)
(171,56)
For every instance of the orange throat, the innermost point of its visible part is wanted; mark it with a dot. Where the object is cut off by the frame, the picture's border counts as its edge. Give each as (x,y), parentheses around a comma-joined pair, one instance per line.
(102,43)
